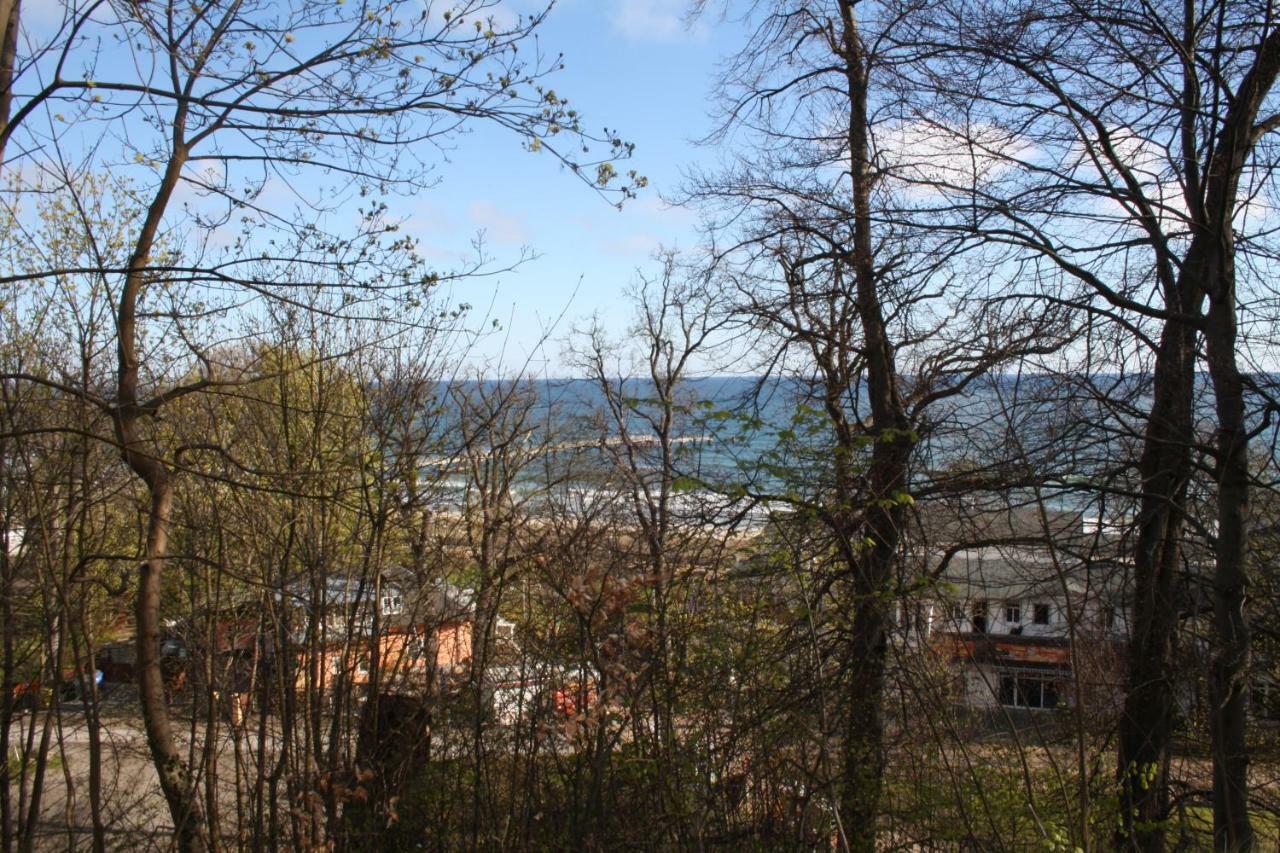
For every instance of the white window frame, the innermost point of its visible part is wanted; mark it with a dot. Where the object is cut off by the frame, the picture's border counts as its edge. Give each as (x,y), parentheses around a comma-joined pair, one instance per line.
(1026,685)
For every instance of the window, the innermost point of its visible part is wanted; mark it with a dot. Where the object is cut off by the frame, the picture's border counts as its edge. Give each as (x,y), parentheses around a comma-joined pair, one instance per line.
(1266,700)
(1018,690)
(980,616)
(1009,690)
(924,621)
(906,617)
(1013,613)
(915,617)
(1040,614)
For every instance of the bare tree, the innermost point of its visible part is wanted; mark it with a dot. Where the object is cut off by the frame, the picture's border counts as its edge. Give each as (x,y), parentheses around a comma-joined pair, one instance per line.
(841,282)
(225,98)
(648,408)
(1120,151)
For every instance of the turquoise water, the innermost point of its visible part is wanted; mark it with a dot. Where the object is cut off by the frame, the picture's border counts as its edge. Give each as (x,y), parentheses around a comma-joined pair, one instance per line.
(1075,438)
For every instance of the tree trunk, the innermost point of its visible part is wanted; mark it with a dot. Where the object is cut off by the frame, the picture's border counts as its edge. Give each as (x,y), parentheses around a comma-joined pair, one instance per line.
(10,15)
(1146,725)
(1228,678)
(1228,683)
(144,460)
(873,567)
(175,779)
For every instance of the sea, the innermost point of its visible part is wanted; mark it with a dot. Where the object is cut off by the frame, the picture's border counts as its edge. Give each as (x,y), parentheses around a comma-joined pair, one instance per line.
(1071,441)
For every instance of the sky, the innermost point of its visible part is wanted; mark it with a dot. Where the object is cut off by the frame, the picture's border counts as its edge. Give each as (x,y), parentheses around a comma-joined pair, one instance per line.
(636,67)
(630,65)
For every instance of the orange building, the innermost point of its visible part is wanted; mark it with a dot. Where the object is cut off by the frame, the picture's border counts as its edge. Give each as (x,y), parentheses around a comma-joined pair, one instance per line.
(420,637)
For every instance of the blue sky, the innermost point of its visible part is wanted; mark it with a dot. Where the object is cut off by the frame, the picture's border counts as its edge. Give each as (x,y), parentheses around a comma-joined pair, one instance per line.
(631,65)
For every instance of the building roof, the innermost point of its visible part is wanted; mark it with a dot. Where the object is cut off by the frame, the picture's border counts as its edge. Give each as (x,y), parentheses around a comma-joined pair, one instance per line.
(1020,573)
(436,602)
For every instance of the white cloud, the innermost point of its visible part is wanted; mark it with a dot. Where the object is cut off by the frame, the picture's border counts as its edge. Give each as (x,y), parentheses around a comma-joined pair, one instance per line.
(926,155)
(652,206)
(637,246)
(1154,166)
(505,229)
(503,18)
(43,15)
(652,20)
(423,218)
